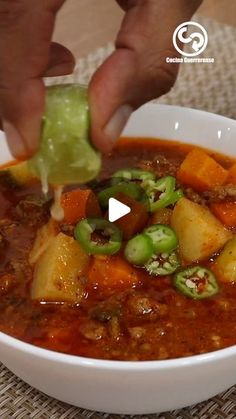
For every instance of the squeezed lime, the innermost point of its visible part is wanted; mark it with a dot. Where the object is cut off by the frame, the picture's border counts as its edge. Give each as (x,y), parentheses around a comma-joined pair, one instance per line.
(65,154)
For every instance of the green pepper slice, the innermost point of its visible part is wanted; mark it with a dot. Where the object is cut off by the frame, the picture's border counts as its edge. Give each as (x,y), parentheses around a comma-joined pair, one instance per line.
(85,228)
(164,238)
(132,174)
(162,264)
(130,189)
(139,250)
(196,282)
(165,187)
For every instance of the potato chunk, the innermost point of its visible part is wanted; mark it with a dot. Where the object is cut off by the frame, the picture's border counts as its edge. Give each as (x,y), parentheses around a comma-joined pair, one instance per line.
(57,272)
(200,234)
(225,263)
(19,173)
(43,239)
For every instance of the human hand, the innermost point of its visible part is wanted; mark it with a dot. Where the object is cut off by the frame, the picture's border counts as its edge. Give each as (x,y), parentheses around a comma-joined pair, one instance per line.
(135,73)
(27,54)
(137,70)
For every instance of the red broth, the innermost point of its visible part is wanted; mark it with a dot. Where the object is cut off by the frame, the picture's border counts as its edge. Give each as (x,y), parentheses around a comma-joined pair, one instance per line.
(150,320)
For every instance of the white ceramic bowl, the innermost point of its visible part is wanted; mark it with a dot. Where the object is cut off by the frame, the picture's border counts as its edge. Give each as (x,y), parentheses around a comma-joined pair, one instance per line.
(135,387)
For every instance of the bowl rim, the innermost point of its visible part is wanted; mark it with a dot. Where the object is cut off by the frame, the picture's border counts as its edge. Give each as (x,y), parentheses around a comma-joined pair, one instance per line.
(75,360)
(151,365)
(173,108)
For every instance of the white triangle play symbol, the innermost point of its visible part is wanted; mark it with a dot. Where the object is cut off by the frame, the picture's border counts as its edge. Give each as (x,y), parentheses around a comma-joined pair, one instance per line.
(117,210)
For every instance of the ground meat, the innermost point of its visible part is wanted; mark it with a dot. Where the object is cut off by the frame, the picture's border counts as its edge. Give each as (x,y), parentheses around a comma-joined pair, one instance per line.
(68,229)
(92,330)
(21,270)
(31,209)
(219,193)
(145,307)
(114,328)
(7,282)
(3,245)
(137,332)
(194,196)
(160,165)
(105,311)
(7,181)
(6,226)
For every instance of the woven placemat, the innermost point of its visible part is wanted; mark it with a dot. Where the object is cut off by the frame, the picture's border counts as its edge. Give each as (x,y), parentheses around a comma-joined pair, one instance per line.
(210,87)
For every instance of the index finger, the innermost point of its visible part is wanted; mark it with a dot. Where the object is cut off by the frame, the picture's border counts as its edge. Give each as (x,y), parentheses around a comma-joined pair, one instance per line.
(25,36)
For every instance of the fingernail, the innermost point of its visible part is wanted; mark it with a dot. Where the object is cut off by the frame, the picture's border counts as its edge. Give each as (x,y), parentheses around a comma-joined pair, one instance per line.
(117,122)
(14,140)
(60,69)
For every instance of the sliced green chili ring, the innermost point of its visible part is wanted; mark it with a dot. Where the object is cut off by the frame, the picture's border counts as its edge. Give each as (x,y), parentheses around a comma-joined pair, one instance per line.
(164,184)
(85,228)
(196,282)
(163,237)
(163,264)
(139,250)
(130,189)
(168,195)
(132,174)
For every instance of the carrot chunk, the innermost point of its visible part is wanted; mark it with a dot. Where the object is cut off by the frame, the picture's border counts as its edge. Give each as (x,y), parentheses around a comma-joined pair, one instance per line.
(232,175)
(111,273)
(136,220)
(201,172)
(78,204)
(225,212)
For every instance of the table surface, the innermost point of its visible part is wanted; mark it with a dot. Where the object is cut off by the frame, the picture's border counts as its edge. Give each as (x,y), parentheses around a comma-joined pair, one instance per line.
(84,25)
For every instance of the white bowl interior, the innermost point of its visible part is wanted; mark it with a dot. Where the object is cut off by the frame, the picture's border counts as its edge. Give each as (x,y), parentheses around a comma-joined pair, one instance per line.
(173,123)
(186,125)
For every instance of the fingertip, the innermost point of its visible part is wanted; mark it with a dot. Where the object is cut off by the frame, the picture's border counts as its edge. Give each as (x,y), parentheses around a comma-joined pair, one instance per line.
(117,123)
(15,142)
(110,94)
(98,138)
(106,139)
(61,69)
(22,110)
(62,61)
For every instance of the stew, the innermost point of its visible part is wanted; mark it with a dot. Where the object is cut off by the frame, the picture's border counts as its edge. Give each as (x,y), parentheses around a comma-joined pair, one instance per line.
(159,283)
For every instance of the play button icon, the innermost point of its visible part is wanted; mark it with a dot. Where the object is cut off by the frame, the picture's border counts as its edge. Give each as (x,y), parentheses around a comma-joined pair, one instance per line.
(117,210)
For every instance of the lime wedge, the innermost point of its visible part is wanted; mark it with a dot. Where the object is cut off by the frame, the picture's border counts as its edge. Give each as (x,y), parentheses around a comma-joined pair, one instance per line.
(65,155)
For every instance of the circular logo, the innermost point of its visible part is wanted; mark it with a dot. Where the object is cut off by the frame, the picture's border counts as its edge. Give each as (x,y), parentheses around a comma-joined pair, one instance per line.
(197,38)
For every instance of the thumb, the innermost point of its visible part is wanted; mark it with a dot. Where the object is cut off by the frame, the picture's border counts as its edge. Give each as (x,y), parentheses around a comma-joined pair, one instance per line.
(137,71)
(119,87)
